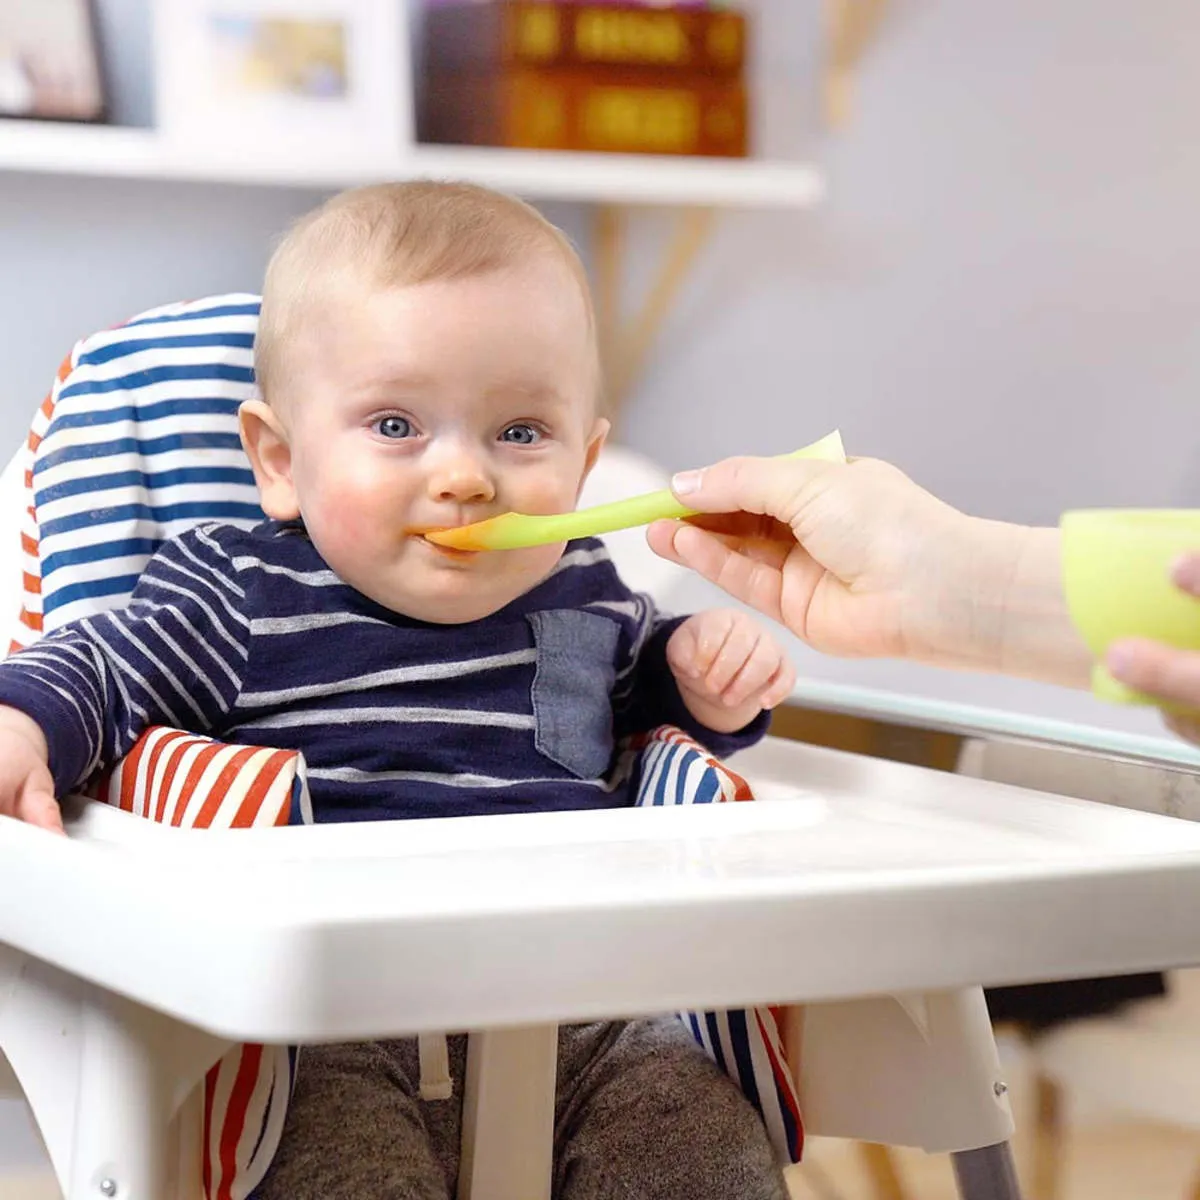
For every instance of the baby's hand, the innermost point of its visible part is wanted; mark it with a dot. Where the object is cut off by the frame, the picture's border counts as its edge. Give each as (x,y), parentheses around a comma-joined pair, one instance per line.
(728,668)
(26,785)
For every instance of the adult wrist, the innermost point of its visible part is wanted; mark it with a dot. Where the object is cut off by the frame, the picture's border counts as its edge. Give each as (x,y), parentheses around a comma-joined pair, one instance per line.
(958,588)
(998,606)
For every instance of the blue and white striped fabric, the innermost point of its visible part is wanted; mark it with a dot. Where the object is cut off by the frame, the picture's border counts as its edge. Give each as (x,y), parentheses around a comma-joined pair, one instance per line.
(138,442)
(666,776)
(142,444)
(747,1044)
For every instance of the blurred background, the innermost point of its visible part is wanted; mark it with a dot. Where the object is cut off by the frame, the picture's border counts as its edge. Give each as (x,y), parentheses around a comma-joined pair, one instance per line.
(965,233)
(998,290)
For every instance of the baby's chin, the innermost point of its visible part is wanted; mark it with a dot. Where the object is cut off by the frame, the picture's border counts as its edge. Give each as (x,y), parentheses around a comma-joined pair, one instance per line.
(445,612)
(465,597)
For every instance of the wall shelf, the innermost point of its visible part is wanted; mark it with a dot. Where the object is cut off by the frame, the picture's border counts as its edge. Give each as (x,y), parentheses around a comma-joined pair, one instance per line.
(120,152)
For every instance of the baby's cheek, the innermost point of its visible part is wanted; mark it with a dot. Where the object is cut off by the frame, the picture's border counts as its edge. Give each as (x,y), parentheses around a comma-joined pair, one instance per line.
(555,494)
(342,527)
(537,562)
(345,511)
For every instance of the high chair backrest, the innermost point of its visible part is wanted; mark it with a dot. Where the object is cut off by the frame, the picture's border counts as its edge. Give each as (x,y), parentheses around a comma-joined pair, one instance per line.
(137,441)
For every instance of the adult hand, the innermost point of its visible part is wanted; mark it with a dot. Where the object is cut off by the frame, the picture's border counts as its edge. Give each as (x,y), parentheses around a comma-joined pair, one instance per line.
(843,555)
(1164,672)
(857,560)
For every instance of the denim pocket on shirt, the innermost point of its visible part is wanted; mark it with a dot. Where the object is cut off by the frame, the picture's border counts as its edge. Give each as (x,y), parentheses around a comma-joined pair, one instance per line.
(572,688)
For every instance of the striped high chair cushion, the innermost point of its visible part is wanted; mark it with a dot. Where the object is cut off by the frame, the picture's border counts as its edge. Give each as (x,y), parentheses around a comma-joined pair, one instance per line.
(747,1044)
(136,441)
(193,782)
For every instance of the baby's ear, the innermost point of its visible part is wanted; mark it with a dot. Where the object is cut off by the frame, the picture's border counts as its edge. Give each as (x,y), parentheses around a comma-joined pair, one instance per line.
(595,444)
(265,442)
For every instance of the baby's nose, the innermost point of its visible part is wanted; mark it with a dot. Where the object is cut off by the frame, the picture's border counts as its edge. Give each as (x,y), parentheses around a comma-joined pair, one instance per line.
(461,479)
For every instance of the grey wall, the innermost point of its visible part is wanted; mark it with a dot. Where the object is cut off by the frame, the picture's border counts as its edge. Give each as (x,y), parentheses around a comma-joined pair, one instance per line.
(1001,292)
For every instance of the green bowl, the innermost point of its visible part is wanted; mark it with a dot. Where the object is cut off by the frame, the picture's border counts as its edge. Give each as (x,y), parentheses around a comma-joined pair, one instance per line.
(1116,568)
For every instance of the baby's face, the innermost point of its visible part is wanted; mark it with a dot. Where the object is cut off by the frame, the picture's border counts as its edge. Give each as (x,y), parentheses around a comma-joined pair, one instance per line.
(442,404)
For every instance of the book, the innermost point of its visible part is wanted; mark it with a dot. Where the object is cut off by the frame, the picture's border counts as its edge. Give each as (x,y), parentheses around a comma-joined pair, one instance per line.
(617,112)
(539,33)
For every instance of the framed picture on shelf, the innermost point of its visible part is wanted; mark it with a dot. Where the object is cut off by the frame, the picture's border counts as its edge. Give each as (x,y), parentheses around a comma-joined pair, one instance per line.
(330,78)
(50,61)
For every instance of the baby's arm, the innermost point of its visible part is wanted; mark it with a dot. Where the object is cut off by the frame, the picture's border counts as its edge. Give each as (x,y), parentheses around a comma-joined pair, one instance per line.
(728,668)
(79,699)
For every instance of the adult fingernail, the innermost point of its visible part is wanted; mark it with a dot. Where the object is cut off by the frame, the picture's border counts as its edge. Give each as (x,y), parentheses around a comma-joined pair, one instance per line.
(1119,660)
(1186,573)
(685,482)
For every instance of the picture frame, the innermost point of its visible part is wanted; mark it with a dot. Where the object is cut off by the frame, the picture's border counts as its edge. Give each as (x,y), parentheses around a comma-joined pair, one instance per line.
(284,77)
(50,61)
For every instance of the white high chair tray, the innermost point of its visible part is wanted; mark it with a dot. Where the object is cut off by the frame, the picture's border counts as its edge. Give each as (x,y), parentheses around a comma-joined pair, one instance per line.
(849,877)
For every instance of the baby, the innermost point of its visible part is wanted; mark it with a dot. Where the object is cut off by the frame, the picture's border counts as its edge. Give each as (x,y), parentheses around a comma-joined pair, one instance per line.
(427,357)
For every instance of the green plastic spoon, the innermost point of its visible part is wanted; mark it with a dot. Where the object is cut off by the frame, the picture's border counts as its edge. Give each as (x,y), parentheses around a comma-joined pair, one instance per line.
(515,531)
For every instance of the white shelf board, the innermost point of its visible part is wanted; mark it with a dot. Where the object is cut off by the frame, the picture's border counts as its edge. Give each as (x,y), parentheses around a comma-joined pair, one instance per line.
(118,152)
(629,179)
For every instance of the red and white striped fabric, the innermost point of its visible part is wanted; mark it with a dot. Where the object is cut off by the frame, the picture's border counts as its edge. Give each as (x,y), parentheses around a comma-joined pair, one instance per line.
(29,620)
(194,782)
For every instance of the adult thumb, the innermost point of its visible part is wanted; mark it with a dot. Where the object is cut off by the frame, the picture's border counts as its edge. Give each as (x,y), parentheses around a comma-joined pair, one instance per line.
(771,487)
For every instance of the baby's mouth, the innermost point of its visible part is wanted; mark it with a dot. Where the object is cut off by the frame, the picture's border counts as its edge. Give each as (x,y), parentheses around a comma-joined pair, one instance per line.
(419,534)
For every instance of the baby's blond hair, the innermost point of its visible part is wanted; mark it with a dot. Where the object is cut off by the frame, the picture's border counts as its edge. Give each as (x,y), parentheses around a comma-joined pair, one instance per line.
(396,235)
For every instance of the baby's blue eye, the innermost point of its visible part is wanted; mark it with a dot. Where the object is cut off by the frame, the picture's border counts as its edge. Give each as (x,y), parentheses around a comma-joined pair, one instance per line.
(520,434)
(394,427)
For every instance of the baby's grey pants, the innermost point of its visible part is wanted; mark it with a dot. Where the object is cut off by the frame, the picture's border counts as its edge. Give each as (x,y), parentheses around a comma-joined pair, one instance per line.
(641,1113)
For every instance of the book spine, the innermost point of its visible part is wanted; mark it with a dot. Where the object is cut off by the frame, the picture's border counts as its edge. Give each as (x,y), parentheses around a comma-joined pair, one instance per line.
(537,33)
(562,110)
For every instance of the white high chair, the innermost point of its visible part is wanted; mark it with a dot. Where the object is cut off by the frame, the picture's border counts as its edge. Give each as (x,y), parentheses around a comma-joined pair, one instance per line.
(875,878)
(878,895)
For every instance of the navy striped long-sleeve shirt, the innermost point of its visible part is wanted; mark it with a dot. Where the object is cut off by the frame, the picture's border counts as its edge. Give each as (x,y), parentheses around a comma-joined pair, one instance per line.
(249,637)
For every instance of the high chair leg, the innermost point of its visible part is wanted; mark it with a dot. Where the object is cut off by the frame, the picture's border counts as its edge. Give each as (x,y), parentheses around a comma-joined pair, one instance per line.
(988,1173)
(508,1114)
(138,1069)
(121,1135)
(106,1080)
